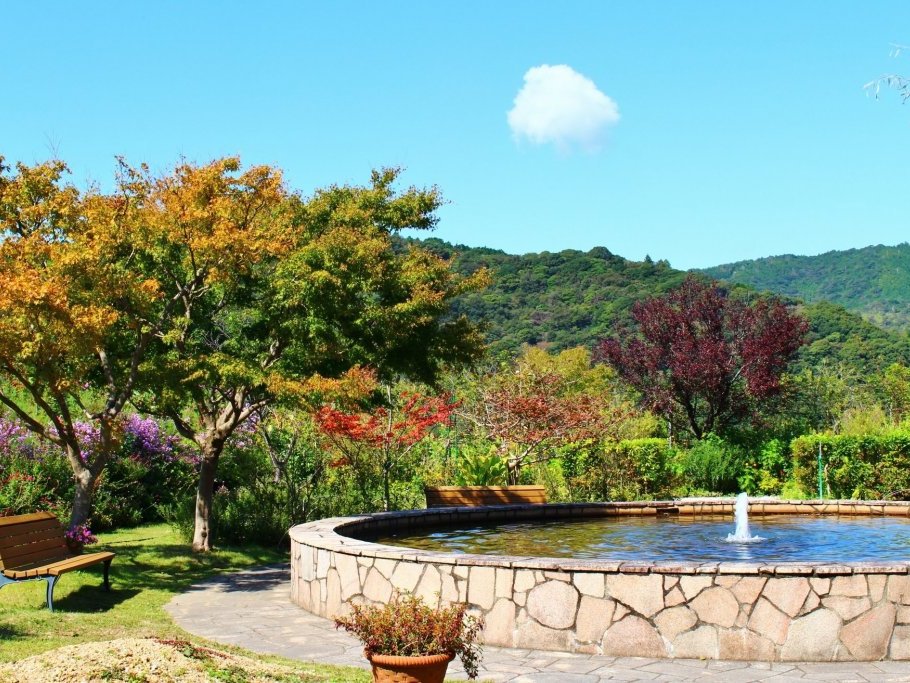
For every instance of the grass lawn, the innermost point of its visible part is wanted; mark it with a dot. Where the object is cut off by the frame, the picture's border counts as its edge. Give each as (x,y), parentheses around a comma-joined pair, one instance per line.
(151,566)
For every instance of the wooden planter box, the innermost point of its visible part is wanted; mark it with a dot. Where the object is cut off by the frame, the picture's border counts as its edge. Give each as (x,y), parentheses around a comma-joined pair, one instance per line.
(474,496)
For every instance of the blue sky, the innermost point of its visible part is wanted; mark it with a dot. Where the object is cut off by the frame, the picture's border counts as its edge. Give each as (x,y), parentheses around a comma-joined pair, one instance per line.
(738,129)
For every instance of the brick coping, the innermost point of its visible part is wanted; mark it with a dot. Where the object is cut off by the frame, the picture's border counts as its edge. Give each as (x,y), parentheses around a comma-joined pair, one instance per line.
(345,535)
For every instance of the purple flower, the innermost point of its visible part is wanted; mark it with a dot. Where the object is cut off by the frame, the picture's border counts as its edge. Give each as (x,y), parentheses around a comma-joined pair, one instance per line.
(245,433)
(80,534)
(11,432)
(146,440)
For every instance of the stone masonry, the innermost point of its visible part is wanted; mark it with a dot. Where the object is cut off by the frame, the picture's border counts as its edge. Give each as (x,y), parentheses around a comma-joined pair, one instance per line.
(783,612)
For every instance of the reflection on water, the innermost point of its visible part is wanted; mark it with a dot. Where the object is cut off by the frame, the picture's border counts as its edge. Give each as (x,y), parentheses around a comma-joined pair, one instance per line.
(787,539)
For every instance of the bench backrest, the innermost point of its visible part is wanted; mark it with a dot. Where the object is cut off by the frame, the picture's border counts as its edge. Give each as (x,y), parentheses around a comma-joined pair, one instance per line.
(31,540)
(473,496)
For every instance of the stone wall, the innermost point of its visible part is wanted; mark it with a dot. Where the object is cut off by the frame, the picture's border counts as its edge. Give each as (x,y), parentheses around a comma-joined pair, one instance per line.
(797,612)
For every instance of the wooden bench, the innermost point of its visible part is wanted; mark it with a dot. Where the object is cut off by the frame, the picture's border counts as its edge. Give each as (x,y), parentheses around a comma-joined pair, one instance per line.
(33,548)
(474,496)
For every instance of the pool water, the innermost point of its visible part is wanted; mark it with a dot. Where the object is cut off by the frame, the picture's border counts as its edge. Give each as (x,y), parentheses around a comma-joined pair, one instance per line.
(786,538)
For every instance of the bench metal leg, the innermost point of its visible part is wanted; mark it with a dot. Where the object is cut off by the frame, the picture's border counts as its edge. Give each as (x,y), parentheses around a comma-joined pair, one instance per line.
(51,580)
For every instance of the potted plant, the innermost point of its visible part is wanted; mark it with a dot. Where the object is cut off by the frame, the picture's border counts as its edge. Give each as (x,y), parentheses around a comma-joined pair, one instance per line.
(407,641)
(77,537)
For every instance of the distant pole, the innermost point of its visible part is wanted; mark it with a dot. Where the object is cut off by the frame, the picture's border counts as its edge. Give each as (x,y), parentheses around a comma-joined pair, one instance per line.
(821,491)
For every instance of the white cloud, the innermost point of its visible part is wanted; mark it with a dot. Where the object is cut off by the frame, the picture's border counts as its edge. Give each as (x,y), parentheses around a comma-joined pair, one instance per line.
(561,106)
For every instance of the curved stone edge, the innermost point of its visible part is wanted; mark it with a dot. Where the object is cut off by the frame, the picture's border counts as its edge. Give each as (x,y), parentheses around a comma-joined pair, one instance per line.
(783,612)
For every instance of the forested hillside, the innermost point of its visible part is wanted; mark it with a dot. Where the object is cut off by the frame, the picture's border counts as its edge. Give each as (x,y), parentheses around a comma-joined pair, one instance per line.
(873,281)
(560,299)
(571,298)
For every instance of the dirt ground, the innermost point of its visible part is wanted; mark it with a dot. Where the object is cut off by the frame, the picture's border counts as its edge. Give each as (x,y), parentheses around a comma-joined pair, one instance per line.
(146,660)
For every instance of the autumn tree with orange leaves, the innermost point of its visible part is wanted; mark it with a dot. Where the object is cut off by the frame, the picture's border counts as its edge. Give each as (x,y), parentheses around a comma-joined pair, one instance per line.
(78,312)
(383,437)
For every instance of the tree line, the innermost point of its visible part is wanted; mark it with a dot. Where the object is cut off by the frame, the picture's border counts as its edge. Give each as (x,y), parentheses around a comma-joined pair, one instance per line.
(209,328)
(205,295)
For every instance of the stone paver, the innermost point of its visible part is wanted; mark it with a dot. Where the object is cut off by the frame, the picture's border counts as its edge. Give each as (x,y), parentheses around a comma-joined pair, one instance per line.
(252,609)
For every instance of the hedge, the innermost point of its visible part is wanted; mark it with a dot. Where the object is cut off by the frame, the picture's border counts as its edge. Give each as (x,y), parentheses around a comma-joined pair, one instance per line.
(871,467)
(626,470)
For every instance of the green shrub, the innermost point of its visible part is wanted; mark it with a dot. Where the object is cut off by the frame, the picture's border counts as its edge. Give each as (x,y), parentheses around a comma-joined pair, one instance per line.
(35,480)
(481,468)
(765,473)
(791,490)
(711,466)
(626,470)
(149,472)
(267,485)
(869,466)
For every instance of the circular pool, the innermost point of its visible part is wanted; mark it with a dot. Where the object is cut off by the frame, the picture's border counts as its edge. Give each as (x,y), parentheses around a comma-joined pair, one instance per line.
(657,579)
(671,538)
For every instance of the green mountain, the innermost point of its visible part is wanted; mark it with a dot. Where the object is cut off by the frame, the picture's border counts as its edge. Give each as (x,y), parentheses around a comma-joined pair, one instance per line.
(873,281)
(572,298)
(557,300)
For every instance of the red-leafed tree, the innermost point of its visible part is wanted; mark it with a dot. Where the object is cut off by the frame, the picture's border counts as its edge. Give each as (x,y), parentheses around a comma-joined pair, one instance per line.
(530,412)
(384,436)
(702,357)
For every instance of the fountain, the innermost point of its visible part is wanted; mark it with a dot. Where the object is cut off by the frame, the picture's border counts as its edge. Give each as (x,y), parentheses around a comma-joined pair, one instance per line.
(741,514)
(830,582)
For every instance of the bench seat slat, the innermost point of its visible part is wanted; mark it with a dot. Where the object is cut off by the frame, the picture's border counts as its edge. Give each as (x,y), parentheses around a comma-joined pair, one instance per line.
(29,569)
(540,499)
(517,487)
(472,496)
(78,562)
(469,502)
(483,494)
(60,567)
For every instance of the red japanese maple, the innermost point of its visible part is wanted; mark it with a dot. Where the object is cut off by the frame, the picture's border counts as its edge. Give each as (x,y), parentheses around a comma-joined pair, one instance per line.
(530,414)
(387,434)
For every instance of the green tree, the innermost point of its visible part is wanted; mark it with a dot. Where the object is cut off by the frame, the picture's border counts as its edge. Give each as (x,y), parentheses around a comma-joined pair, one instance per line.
(818,397)
(895,385)
(285,300)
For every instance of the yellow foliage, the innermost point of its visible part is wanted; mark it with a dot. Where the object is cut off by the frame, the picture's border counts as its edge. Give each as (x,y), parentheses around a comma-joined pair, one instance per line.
(353,386)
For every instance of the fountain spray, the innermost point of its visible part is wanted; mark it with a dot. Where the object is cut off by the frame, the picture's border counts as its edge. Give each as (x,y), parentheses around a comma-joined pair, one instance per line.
(742,534)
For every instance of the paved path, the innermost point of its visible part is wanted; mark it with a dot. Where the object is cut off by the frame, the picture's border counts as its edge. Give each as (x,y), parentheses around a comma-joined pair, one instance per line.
(252,609)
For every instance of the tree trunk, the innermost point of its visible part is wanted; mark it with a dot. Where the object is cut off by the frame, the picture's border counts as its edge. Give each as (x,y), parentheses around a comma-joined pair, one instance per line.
(386,495)
(205,493)
(82,498)
(513,465)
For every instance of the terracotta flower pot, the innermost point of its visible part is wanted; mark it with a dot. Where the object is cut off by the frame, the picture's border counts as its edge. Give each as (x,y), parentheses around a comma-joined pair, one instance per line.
(393,669)
(75,547)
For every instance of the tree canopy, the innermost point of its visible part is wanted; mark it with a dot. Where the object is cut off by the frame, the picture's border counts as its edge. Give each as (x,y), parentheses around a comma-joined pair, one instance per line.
(286,299)
(207,294)
(698,355)
(78,311)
